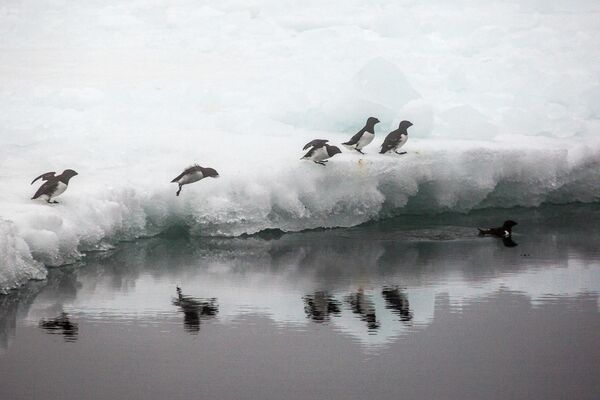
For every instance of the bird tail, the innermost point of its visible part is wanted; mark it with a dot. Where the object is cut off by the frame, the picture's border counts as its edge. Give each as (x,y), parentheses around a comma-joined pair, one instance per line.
(481,231)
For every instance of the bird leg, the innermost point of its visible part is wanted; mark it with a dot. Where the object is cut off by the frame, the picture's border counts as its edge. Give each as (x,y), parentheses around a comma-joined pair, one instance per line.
(320,163)
(402,152)
(179,191)
(359,150)
(52,202)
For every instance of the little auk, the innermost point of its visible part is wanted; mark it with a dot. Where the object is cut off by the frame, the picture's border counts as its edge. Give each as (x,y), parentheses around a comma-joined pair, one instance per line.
(54,185)
(363,137)
(503,231)
(193,174)
(396,139)
(320,154)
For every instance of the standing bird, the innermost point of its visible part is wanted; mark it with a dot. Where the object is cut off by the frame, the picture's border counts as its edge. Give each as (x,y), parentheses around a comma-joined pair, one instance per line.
(320,154)
(193,174)
(396,139)
(54,185)
(504,231)
(363,137)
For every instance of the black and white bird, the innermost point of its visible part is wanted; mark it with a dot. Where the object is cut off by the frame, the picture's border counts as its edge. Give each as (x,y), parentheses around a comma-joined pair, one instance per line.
(503,231)
(53,186)
(193,174)
(320,152)
(363,137)
(396,139)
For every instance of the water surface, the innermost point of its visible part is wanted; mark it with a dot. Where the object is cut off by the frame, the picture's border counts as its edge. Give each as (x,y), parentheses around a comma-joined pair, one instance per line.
(405,308)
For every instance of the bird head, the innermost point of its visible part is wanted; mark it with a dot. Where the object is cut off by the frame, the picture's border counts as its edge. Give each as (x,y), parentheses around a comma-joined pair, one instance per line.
(69,173)
(509,223)
(210,172)
(371,121)
(333,150)
(405,125)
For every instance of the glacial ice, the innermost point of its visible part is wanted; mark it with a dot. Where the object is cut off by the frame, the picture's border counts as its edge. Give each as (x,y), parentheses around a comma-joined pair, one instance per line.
(503,96)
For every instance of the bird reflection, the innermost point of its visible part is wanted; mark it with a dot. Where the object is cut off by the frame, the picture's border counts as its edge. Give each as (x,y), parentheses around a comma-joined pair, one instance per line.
(319,306)
(397,301)
(194,310)
(508,242)
(61,325)
(362,305)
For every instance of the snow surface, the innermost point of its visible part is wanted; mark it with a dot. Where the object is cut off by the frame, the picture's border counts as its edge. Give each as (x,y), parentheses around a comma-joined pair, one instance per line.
(504,97)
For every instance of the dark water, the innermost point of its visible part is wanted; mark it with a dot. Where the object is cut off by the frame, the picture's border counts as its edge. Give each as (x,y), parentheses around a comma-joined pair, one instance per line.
(413,309)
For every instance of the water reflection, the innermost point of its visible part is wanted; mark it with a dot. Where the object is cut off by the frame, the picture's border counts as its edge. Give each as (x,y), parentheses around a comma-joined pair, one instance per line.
(362,305)
(320,306)
(61,325)
(194,310)
(397,301)
(333,276)
(509,242)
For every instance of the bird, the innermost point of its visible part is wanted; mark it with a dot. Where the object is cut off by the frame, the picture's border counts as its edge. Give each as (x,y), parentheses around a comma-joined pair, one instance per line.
(53,186)
(504,231)
(193,174)
(396,139)
(363,137)
(320,154)
(315,143)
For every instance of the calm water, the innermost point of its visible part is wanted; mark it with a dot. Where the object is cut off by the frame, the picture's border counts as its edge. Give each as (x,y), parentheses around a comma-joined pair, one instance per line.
(407,308)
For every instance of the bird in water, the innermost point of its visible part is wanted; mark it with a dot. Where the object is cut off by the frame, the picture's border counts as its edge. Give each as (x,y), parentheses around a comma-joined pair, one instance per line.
(504,231)
(53,186)
(193,174)
(320,151)
(396,139)
(363,137)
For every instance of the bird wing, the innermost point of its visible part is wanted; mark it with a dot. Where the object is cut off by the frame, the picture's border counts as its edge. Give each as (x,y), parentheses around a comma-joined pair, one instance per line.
(355,138)
(186,171)
(310,152)
(47,188)
(391,140)
(44,177)
(315,143)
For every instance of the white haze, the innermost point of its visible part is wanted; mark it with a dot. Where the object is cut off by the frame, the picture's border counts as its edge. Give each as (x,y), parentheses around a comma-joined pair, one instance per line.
(504,97)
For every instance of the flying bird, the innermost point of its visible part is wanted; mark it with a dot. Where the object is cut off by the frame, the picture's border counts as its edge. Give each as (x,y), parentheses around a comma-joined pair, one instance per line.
(320,154)
(503,231)
(53,186)
(193,174)
(363,137)
(396,139)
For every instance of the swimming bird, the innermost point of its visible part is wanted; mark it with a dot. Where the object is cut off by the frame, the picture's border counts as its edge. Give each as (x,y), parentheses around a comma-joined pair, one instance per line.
(363,137)
(54,185)
(320,154)
(503,231)
(315,143)
(396,139)
(193,174)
